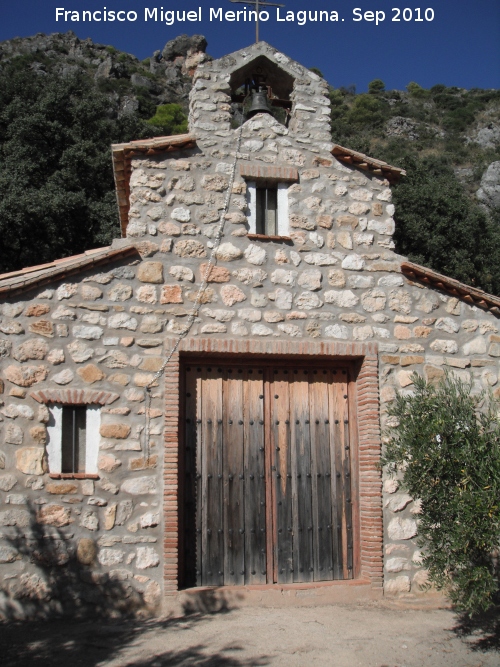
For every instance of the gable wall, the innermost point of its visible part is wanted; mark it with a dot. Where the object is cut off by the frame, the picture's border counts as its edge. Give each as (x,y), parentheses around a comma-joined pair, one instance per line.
(338,280)
(96,540)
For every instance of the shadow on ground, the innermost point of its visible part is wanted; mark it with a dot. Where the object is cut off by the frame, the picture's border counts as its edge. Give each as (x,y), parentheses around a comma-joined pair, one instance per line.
(482,631)
(59,643)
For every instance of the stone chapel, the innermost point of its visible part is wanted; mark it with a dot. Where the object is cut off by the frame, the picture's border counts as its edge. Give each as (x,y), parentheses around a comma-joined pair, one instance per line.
(200,406)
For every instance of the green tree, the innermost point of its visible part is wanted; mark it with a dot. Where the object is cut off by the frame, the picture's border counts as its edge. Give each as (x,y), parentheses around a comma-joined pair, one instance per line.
(56,182)
(170,118)
(367,111)
(376,86)
(446,450)
(437,225)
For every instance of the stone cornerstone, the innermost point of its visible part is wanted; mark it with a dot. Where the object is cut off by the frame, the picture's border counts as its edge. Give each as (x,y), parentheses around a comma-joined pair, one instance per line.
(92,330)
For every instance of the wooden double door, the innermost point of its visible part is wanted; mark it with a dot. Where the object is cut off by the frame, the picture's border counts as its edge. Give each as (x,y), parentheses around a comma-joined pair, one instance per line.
(267,488)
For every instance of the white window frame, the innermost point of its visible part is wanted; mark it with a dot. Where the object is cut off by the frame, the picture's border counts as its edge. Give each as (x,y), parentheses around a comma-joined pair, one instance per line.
(54,444)
(283,227)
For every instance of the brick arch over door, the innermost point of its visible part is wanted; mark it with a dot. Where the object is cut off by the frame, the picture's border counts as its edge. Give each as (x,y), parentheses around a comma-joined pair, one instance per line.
(368,434)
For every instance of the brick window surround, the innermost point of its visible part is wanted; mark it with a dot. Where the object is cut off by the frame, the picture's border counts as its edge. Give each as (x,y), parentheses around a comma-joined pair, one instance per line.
(366,406)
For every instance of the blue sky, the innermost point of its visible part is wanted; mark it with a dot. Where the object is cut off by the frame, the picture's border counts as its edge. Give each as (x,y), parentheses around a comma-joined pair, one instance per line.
(460,47)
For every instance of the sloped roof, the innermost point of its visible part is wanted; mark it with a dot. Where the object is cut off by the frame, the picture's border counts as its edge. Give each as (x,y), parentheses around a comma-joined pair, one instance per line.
(471,295)
(362,161)
(20,281)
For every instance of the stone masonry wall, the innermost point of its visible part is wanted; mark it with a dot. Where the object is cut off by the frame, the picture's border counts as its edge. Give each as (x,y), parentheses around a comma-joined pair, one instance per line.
(336,279)
(71,543)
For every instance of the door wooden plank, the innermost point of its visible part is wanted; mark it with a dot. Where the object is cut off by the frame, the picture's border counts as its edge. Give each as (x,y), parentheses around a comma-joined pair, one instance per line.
(234,479)
(346,469)
(300,459)
(189,478)
(270,471)
(321,471)
(336,453)
(352,408)
(200,487)
(280,402)
(213,572)
(255,486)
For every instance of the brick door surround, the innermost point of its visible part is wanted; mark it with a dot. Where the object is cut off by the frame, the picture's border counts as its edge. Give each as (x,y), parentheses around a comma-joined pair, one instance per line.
(370,530)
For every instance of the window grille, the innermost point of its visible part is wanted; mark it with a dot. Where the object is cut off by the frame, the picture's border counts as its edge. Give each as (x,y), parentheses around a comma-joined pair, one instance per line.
(74,437)
(267,211)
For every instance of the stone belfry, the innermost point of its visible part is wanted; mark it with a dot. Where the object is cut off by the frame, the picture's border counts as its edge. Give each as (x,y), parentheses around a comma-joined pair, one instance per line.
(301,92)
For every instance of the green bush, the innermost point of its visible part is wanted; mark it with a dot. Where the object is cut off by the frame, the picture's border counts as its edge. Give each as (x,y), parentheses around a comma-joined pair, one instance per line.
(416,90)
(170,118)
(376,86)
(446,447)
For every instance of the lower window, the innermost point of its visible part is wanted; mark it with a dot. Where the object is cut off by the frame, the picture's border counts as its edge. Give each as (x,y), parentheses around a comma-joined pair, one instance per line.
(74,438)
(73,432)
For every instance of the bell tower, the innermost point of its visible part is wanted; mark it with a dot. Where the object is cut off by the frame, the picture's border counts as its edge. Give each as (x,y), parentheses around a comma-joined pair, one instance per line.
(259,79)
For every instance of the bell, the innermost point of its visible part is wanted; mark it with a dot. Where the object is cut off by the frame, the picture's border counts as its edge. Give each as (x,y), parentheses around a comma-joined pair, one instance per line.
(259,103)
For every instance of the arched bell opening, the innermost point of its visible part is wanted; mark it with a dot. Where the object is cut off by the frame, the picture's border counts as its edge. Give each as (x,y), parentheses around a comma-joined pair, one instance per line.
(260,86)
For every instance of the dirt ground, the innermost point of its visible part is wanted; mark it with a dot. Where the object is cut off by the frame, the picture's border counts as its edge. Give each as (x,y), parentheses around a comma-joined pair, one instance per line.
(368,635)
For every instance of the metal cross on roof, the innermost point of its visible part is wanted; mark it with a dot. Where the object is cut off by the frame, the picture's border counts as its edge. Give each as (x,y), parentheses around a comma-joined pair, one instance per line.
(257,4)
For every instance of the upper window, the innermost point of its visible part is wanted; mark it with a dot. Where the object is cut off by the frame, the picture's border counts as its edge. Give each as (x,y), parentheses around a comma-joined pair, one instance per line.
(268,204)
(266,210)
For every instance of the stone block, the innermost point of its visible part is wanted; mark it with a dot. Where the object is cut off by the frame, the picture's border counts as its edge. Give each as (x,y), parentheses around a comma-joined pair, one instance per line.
(25,376)
(54,515)
(122,321)
(91,373)
(231,294)
(342,299)
(217,274)
(347,221)
(31,460)
(337,331)
(117,430)
(397,564)
(39,434)
(227,252)
(444,346)
(171,294)
(475,346)
(401,529)
(146,558)
(310,279)
(108,462)
(137,486)
(255,254)
(86,551)
(120,292)
(150,272)
(189,248)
